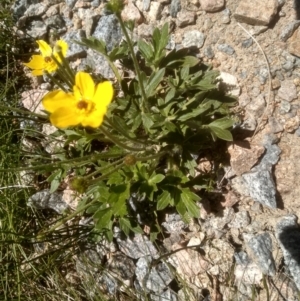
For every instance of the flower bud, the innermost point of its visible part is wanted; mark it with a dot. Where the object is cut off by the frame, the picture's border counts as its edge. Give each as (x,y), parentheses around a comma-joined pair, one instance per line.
(115,6)
(130,160)
(79,184)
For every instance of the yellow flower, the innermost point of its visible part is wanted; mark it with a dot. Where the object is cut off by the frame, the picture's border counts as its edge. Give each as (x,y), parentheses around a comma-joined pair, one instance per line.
(87,105)
(44,62)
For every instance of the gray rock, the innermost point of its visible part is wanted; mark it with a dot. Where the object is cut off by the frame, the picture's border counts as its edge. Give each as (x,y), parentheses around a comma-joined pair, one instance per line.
(297,132)
(257,106)
(285,107)
(56,21)
(185,18)
(261,187)
(109,31)
(98,64)
(288,30)
(121,265)
(226,49)
(174,223)
(37,30)
(175,7)
(261,251)
(146,5)
(240,220)
(288,66)
(247,43)
(242,258)
(71,3)
(74,50)
(275,125)
(36,10)
(288,234)
(263,75)
(137,247)
(287,90)
(19,7)
(271,156)
(154,279)
(46,200)
(208,52)
(95,3)
(193,38)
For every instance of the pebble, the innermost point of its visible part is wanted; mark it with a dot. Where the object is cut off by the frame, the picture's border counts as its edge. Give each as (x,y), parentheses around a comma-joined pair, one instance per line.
(261,251)
(287,91)
(257,106)
(175,7)
(185,18)
(247,43)
(275,125)
(208,52)
(241,219)
(288,30)
(226,49)
(212,5)
(154,11)
(37,30)
(193,38)
(74,50)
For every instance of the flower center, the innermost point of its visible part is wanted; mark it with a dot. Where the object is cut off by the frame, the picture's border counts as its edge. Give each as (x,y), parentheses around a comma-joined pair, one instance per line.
(82,105)
(48,59)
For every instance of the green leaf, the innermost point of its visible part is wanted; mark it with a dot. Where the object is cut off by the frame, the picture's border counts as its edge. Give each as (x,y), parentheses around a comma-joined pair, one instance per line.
(181,208)
(223,123)
(163,200)
(154,81)
(189,198)
(220,133)
(145,49)
(190,61)
(196,112)
(125,225)
(103,218)
(55,180)
(164,37)
(147,121)
(156,179)
(184,73)
(122,127)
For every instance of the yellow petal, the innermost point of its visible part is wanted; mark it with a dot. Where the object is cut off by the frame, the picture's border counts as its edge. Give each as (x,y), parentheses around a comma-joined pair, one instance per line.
(36,62)
(37,72)
(85,84)
(77,93)
(65,117)
(45,49)
(56,99)
(103,96)
(93,120)
(63,47)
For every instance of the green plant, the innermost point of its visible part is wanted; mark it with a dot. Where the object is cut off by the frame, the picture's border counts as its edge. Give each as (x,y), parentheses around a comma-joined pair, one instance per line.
(146,148)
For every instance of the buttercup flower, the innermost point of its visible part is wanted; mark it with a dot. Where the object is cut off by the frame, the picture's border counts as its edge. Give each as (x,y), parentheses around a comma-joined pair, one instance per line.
(44,62)
(87,105)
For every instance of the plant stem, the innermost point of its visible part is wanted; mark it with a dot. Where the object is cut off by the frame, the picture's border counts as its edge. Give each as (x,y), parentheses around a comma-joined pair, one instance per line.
(120,144)
(135,62)
(23,112)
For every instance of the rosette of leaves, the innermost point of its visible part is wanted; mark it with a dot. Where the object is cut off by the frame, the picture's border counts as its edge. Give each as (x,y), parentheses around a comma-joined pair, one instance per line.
(167,111)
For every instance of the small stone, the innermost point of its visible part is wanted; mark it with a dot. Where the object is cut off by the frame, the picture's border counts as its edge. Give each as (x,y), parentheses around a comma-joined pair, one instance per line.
(244,156)
(261,187)
(292,124)
(155,11)
(226,49)
(137,247)
(130,12)
(247,43)
(288,234)
(55,21)
(288,30)
(275,84)
(32,100)
(261,251)
(247,274)
(212,5)
(37,30)
(241,220)
(74,50)
(275,125)
(208,52)
(146,5)
(145,30)
(52,10)
(294,43)
(71,3)
(256,12)
(46,200)
(193,38)
(167,295)
(249,124)
(155,279)
(287,91)
(35,10)
(185,17)
(257,106)
(285,107)
(174,223)
(229,84)
(231,199)
(175,7)
(108,30)
(82,4)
